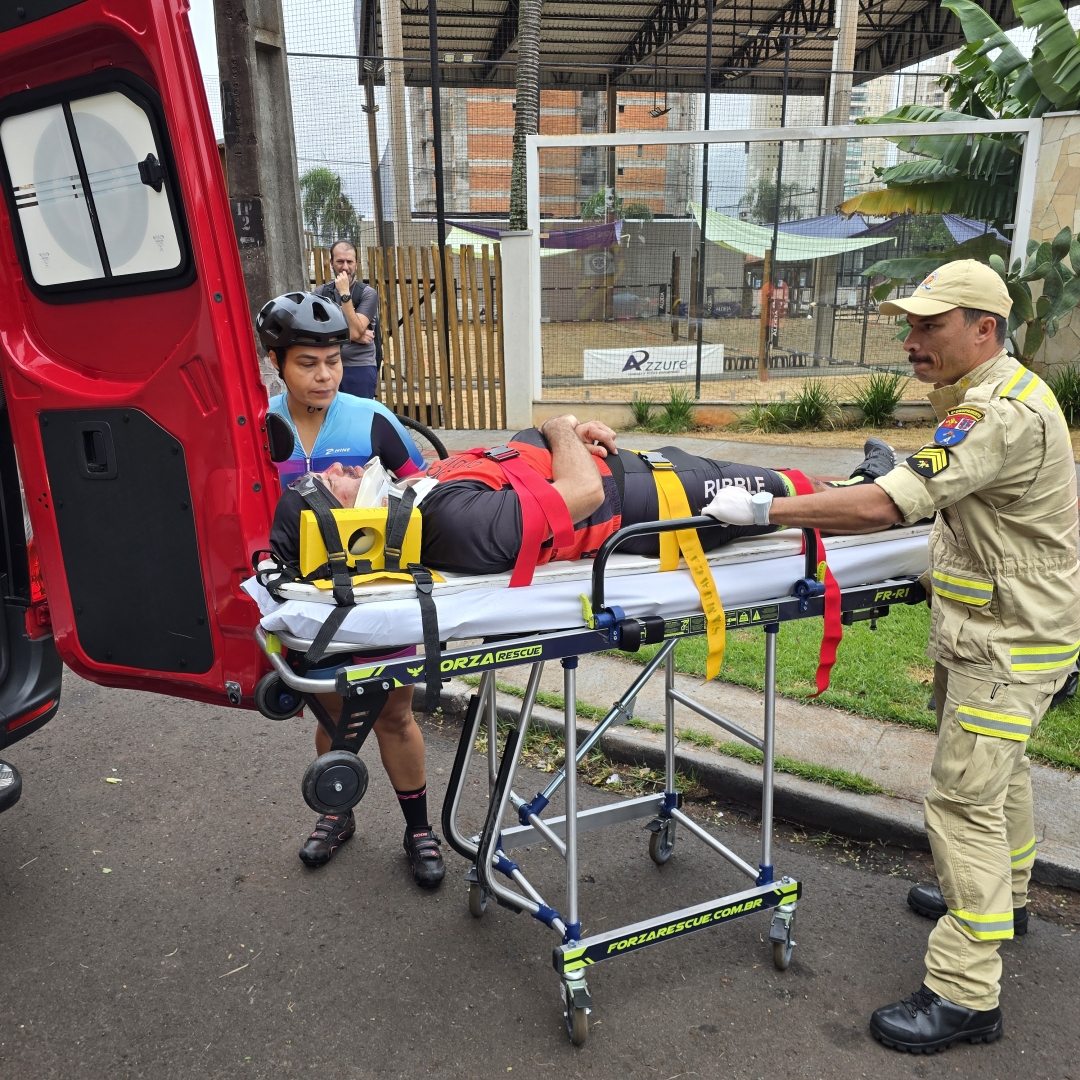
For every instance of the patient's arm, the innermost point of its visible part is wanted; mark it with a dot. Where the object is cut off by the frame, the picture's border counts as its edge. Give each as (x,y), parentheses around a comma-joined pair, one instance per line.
(574,475)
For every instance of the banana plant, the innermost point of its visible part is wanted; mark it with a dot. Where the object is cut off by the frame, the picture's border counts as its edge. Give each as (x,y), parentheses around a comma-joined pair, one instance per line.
(978,177)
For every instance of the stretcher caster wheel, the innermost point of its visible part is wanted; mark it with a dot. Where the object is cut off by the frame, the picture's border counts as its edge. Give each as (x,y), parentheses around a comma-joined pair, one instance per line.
(780,935)
(275,700)
(335,782)
(662,841)
(577,1004)
(478,900)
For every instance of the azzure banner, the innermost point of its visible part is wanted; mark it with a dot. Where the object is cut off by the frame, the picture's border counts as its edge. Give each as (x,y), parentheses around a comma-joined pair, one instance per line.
(664,362)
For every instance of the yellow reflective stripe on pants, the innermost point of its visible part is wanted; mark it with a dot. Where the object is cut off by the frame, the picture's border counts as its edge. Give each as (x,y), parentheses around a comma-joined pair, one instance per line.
(673,504)
(995,927)
(976,593)
(1023,856)
(1043,657)
(984,722)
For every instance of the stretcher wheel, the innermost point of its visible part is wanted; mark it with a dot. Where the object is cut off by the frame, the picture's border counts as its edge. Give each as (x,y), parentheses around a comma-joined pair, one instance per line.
(576,1017)
(781,950)
(335,782)
(275,700)
(477,900)
(662,843)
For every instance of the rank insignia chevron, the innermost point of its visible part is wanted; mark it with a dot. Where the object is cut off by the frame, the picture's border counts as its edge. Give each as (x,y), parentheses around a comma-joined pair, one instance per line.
(929,461)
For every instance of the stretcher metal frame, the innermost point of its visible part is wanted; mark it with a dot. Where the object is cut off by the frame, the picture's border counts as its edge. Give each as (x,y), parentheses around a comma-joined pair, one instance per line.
(493,874)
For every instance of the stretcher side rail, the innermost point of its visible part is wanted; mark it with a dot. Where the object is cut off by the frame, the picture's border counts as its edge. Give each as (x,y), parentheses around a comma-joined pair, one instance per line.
(857,603)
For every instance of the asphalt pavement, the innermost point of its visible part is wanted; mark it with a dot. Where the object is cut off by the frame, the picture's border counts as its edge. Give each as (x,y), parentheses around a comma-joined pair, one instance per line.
(207,950)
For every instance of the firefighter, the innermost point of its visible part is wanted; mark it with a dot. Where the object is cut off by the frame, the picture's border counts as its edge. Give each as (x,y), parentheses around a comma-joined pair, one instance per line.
(1004,582)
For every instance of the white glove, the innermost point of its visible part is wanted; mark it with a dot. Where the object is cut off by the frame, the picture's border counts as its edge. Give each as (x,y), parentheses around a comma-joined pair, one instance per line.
(731,505)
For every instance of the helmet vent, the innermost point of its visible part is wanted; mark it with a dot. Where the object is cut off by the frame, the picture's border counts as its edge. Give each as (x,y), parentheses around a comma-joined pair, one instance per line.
(319,312)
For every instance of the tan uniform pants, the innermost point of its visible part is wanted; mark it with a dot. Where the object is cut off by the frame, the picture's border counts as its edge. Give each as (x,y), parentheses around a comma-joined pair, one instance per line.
(981,826)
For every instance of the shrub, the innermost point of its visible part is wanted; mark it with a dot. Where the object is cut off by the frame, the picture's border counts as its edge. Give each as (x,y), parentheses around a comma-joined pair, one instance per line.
(641,410)
(815,407)
(771,418)
(1065,383)
(678,412)
(879,396)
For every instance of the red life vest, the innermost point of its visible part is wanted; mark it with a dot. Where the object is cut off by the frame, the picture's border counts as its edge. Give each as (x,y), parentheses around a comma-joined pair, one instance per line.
(527,469)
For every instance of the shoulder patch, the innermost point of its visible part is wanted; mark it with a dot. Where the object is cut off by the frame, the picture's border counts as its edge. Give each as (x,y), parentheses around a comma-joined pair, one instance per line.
(954,428)
(929,461)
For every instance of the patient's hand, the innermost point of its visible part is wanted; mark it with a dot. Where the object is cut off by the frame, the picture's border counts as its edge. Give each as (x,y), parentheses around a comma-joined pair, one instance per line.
(598,438)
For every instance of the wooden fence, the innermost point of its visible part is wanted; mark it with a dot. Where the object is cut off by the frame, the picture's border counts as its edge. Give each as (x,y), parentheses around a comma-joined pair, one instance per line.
(444,376)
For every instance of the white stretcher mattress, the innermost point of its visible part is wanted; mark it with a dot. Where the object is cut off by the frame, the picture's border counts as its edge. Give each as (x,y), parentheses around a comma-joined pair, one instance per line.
(749,571)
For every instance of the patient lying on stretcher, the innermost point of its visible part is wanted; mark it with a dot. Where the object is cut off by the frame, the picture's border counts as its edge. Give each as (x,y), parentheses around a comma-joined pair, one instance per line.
(472,517)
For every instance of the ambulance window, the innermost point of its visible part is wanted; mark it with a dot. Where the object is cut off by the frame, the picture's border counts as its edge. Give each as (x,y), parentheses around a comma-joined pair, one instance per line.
(91,196)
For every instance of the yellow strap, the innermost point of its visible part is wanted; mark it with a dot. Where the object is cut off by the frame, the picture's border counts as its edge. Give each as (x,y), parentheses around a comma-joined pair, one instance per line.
(673,504)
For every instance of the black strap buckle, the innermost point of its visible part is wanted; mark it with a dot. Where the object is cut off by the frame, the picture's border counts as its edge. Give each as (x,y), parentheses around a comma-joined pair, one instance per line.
(501,453)
(655,460)
(422,578)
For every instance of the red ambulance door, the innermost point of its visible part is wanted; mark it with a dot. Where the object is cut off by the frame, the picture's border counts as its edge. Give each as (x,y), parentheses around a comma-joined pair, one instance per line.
(126,350)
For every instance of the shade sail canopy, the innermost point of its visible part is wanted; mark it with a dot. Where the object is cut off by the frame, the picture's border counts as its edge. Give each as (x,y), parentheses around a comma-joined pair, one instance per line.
(755,240)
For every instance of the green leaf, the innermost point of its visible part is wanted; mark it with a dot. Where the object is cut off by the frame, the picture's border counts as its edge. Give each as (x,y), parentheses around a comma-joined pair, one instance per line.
(1021,298)
(1067,300)
(1032,247)
(1059,248)
(1033,339)
(1042,307)
(997,263)
(1052,283)
(1015,268)
(1074,255)
(1033,12)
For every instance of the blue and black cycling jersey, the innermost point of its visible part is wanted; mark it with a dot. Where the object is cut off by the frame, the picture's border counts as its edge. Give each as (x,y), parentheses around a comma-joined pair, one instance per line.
(355,430)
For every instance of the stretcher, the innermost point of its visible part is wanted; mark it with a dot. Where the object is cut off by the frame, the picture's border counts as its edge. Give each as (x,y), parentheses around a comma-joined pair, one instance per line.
(571,610)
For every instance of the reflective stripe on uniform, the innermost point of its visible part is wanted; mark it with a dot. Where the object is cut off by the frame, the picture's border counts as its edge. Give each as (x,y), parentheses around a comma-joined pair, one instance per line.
(1023,856)
(984,722)
(985,927)
(1043,657)
(1020,385)
(975,593)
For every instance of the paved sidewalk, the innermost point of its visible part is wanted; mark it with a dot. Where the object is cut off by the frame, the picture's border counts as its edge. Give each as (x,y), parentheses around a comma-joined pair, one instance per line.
(894,756)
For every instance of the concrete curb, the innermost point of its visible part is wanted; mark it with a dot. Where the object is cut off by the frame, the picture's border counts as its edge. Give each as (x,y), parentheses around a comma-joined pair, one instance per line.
(883,818)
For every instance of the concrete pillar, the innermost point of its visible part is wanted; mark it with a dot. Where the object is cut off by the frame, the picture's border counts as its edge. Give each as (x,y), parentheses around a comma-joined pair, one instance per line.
(400,201)
(260,151)
(834,164)
(520,321)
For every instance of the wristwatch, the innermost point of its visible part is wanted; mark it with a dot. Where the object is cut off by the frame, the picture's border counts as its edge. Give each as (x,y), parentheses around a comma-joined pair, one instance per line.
(761,502)
(344,298)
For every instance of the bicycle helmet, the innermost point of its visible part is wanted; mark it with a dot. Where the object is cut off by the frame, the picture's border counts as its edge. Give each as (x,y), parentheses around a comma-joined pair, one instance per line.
(298,318)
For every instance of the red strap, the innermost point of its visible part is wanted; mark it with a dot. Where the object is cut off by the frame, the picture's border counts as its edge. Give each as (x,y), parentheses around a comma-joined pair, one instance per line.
(541,507)
(834,628)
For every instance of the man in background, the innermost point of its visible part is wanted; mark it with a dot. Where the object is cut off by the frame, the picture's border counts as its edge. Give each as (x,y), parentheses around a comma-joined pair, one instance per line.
(360,305)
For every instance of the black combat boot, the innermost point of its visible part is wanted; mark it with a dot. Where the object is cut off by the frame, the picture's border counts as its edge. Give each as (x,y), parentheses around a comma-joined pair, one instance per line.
(925,1023)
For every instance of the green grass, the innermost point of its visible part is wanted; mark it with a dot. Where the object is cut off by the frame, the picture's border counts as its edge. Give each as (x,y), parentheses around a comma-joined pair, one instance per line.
(881,673)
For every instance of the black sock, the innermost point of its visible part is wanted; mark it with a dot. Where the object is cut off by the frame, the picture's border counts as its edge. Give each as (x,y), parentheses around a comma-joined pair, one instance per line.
(414,806)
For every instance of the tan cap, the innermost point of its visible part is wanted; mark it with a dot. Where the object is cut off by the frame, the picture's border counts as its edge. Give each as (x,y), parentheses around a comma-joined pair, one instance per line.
(965,283)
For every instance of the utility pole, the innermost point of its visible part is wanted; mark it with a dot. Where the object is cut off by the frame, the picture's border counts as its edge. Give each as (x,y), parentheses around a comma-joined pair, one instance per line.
(260,153)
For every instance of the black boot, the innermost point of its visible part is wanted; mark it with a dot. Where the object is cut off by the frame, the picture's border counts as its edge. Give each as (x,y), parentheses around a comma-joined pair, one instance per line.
(925,1023)
(927,900)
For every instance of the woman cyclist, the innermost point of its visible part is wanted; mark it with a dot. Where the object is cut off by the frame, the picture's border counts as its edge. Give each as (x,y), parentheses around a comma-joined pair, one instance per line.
(303,334)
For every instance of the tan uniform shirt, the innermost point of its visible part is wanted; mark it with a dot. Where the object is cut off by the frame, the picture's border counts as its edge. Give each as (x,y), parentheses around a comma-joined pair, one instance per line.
(1003,550)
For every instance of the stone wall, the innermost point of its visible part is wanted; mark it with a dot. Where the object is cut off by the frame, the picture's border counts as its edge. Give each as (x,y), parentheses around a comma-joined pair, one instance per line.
(1057,187)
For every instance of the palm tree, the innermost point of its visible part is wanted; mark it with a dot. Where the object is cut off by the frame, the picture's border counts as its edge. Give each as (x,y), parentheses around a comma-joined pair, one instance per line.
(527,114)
(328,211)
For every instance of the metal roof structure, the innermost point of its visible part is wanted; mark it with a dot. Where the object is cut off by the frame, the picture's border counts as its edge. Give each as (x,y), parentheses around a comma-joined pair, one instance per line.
(662,45)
